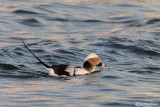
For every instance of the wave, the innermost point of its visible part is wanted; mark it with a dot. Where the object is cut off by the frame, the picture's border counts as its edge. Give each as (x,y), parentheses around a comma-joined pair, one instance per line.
(117,104)
(153,21)
(111,77)
(135,49)
(8,67)
(74,20)
(31,22)
(24,12)
(141,72)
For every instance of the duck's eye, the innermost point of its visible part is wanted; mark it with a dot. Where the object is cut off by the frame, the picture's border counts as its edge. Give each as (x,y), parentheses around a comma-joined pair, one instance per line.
(94,60)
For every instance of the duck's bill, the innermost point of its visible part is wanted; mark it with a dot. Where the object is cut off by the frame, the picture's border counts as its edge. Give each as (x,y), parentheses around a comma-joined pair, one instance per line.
(101,64)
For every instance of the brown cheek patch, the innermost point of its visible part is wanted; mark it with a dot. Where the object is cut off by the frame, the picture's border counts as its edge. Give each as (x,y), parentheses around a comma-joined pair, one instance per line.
(87,66)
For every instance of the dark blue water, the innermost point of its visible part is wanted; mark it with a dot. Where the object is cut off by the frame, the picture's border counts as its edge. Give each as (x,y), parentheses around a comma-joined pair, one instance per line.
(125,34)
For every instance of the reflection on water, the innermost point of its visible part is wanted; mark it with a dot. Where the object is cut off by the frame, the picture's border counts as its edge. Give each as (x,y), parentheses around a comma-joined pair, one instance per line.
(125,34)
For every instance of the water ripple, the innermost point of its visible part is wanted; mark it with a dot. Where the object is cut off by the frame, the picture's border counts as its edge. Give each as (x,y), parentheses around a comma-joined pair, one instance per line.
(24,12)
(135,49)
(31,22)
(153,21)
(74,20)
(141,72)
(117,104)
(8,67)
(111,77)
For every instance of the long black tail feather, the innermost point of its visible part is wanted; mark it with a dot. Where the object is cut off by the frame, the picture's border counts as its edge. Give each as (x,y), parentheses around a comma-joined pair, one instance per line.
(47,66)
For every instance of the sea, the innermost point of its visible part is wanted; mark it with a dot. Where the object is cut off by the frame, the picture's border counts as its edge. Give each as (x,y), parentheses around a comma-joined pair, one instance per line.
(124,33)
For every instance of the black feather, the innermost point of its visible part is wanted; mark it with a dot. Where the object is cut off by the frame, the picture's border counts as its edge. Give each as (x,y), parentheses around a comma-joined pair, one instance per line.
(61,69)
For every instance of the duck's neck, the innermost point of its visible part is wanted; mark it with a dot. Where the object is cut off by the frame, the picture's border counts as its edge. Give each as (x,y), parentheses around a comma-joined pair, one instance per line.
(89,69)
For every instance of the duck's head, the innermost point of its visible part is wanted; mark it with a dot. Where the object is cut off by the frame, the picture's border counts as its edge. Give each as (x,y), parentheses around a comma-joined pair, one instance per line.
(91,62)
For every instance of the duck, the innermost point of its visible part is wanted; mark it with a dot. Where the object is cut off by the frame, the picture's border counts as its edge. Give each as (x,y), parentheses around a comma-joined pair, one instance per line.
(89,65)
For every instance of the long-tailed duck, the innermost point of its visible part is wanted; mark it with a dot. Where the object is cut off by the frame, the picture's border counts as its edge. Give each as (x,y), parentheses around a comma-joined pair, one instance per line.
(90,63)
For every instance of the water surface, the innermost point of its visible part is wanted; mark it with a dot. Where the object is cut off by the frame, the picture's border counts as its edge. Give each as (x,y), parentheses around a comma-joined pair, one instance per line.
(125,34)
